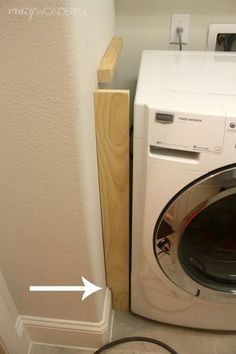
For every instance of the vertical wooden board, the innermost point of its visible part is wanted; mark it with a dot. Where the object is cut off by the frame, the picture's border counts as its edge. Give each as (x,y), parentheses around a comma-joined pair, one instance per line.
(112,131)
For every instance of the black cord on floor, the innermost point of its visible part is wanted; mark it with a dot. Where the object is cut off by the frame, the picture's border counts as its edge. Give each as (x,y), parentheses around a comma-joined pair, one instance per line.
(135,339)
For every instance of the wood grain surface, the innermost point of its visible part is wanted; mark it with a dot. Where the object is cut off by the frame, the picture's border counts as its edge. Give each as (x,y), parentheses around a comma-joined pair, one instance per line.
(112,131)
(109,61)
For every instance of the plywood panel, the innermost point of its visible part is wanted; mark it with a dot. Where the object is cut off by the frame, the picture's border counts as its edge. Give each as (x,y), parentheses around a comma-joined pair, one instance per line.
(108,63)
(112,130)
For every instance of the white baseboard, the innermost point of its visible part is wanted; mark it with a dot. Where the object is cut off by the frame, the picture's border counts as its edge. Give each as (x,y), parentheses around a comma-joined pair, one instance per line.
(69,333)
(8,314)
(18,332)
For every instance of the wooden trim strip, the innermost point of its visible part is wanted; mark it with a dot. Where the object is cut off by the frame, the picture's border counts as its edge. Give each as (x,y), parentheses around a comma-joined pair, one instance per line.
(112,131)
(108,63)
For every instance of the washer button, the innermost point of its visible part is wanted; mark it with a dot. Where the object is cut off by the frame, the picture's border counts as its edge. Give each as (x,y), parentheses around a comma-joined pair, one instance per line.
(232,125)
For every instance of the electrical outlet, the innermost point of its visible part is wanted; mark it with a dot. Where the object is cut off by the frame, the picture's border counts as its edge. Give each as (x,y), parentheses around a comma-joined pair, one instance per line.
(179,20)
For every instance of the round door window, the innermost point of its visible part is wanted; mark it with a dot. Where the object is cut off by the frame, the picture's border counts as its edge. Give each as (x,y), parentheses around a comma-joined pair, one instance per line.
(195,237)
(207,247)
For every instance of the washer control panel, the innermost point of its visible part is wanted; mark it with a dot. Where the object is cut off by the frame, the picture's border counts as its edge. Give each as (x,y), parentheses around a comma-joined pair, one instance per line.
(188,130)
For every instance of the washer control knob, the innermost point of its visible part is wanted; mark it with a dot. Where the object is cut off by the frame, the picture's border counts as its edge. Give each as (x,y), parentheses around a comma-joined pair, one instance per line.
(232,125)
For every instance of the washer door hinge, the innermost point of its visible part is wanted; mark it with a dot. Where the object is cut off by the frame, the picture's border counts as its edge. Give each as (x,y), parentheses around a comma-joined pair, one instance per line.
(164,245)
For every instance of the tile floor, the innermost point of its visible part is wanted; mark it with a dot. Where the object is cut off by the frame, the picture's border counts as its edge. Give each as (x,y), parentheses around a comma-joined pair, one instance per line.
(183,340)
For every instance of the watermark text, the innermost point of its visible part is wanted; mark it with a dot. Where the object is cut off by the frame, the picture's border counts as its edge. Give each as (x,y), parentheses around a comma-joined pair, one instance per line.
(31,12)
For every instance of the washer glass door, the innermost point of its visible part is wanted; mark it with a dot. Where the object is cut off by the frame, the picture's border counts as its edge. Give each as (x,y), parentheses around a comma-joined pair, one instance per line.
(195,237)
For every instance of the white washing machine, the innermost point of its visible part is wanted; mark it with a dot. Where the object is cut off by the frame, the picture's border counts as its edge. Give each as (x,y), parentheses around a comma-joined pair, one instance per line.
(184,189)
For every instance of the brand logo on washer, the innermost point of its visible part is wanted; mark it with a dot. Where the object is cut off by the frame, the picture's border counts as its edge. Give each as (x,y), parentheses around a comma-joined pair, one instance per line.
(202,148)
(197,120)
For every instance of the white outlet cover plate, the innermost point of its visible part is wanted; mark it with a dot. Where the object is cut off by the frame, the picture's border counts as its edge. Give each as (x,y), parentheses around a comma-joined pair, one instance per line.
(214,30)
(179,20)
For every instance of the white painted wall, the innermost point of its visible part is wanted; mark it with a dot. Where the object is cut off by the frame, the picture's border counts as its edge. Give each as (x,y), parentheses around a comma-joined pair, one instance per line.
(49,207)
(145,24)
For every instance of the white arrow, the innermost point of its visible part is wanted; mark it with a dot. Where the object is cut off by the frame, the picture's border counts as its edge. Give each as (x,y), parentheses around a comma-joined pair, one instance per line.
(88,288)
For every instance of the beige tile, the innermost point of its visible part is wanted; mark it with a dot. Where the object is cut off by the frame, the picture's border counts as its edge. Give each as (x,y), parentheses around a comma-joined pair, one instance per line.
(183,340)
(45,349)
(114,351)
